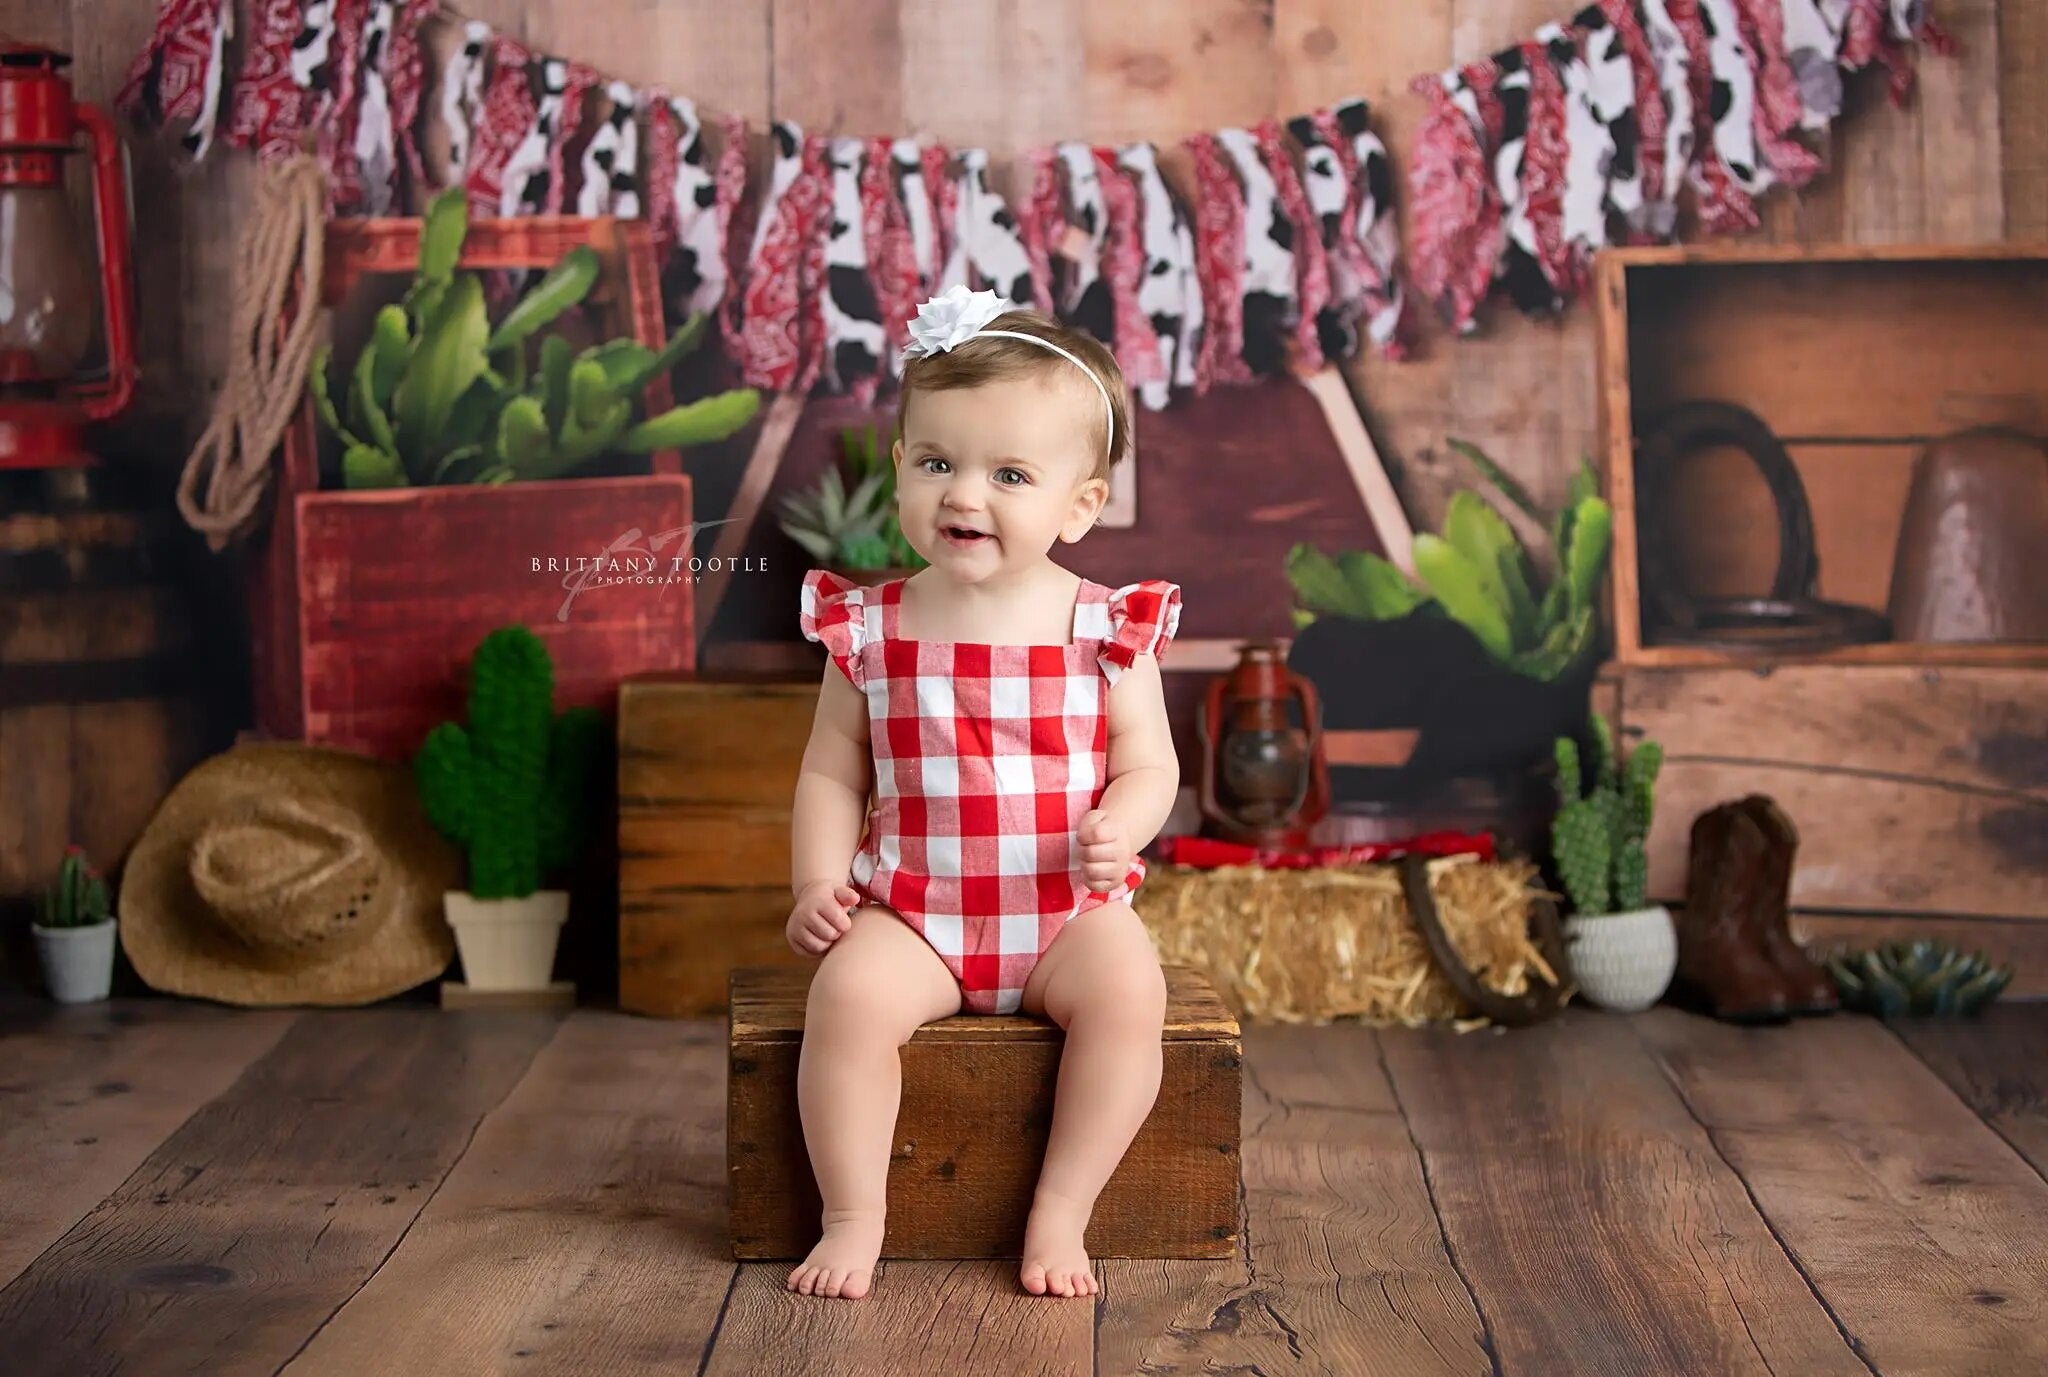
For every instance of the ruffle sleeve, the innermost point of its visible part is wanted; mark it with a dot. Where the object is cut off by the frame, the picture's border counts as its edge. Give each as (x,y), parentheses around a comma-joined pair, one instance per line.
(834,614)
(1142,620)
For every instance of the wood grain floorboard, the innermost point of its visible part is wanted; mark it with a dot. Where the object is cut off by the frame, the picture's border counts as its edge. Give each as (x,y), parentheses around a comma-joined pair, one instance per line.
(583,1231)
(922,1319)
(1598,1227)
(266,1211)
(1920,1226)
(87,1093)
(1998,1063)
(1345,1269)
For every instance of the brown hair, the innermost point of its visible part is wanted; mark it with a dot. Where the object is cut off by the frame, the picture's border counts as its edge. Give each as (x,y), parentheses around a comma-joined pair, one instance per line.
(986,359)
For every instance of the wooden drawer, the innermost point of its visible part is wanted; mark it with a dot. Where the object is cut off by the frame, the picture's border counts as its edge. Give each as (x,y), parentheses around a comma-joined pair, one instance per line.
(971,1133)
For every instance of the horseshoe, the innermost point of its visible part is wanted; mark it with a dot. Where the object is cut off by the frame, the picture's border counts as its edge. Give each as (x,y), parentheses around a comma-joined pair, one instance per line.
(1513,1011)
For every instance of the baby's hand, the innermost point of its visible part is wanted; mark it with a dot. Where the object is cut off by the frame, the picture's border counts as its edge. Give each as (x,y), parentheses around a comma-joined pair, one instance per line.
(1106,851)
(821,916)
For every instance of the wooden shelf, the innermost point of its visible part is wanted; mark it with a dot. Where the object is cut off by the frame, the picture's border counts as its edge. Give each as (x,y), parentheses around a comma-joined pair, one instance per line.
(1932,654)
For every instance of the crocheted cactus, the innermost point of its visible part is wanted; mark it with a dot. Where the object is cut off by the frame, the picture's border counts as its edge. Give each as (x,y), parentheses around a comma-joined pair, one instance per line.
(1597,837)
(512,788)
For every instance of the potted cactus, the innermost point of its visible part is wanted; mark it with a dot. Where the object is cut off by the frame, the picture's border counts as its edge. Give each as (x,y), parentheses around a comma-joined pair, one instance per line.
(848,523)
(1624,950)
(74,932)
(512,789)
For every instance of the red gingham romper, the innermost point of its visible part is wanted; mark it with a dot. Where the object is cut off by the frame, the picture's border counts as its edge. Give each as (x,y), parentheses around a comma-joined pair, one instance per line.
(986,758)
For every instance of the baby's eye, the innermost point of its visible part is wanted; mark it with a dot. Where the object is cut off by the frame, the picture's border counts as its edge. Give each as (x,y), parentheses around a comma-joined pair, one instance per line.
(1011,478)
(931,463)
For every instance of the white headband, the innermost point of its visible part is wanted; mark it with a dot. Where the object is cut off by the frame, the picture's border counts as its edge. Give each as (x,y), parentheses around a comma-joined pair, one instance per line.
(958,315)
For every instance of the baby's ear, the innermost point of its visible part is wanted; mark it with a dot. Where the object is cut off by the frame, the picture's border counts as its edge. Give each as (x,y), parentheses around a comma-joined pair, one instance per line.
(896,454)
(1089,500)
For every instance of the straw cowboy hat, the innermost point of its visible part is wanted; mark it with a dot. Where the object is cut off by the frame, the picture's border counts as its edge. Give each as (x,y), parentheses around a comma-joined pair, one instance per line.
(278,873)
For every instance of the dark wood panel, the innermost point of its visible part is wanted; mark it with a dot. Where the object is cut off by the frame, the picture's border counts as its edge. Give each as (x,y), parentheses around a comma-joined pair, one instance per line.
(1998,1063)
(583,1230)
(267,1210)
(1598,1228)
(1917,1223)
(1344,1268)
(86,1095)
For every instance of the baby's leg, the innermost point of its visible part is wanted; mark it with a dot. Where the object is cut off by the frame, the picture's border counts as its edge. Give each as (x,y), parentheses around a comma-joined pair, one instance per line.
(874,987)
(1100,980)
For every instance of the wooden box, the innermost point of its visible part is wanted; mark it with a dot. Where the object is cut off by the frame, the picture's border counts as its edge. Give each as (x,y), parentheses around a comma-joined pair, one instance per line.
(707,774)
(1855,357)
(977,1106)
(366,605)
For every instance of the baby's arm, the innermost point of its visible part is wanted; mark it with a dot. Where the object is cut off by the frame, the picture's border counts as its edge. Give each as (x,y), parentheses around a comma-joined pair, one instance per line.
(1144,772)
(828,816)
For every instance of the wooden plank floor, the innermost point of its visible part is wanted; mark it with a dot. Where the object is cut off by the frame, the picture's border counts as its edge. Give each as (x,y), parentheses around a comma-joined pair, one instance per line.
(395,1190)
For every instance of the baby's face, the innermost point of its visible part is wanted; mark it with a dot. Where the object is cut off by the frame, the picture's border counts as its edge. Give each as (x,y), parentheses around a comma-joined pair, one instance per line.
(987,478)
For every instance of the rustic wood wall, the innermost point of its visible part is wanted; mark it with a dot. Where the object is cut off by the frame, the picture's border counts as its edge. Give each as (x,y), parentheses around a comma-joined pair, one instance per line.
(1966,160)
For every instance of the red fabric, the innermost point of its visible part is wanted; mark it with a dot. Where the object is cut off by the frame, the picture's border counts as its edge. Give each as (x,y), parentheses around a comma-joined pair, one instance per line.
(502,121)
(1311,263)
(168,80)
(1778,107)
(1219,265)
(986,758)
(1544,156)
(1123,266)
(781,334)
(581,79)
(1454,211)
(332,114)
(407,67)
(945,204)
(1651,116)
(663,145)
(1206,853)
(1724,207)
(892,257)
(267,111)
(1040,219)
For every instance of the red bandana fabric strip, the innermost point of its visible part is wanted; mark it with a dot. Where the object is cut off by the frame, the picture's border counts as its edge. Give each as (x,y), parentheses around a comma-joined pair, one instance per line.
(501,124)
(1778,105)
(1041,220)
(662,146)
(1724,207)
(1219,255)
(267,109)
(406,75)
(181,75)
(892,257)
(781,331)
(945,207)
(1123,263)
(1311,262)
(1651,118)
(1543,169)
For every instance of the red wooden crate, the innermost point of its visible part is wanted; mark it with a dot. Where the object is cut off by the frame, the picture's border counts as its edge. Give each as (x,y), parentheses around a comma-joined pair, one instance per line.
(365,606)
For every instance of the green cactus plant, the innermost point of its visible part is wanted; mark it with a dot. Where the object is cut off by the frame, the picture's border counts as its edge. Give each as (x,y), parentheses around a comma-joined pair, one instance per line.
(438,396)
(852,527)
(512,787)
(1597,836)
(1900,979)
(1477,573)
(78,896)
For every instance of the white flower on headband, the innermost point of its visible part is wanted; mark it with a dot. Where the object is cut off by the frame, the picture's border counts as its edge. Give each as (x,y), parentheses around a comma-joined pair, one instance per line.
(952,319)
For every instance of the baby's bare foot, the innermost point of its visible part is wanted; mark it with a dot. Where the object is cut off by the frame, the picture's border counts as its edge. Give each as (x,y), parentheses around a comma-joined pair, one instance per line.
(1055,1260)
(843,1263)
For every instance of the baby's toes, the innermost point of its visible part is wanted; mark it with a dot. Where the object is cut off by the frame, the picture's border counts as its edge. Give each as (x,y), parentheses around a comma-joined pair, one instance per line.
(1033,1277)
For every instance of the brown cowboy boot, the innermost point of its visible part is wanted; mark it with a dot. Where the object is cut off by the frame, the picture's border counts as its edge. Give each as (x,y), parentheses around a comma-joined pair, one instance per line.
(1723,970)
(1810,988)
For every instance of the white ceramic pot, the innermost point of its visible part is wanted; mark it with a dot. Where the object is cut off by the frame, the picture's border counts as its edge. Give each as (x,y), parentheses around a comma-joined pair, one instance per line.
(1623,961)
(507,944)
(78,963)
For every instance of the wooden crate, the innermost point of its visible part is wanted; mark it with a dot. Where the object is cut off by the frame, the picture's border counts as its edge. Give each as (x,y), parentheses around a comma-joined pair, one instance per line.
(365,605)
(976,1110)
(707,773)
(1920,792)
(1855,357)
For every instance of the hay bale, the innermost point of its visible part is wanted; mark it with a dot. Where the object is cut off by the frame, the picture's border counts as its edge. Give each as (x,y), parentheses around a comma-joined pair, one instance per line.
(1310,946)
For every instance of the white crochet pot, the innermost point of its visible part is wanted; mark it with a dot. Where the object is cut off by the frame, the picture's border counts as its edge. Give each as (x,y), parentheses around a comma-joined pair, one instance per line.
(1623,961)
(78,963)
(507,944)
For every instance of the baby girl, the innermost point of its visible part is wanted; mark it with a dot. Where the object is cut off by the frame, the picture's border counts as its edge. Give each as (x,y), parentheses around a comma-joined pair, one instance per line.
(1007,719)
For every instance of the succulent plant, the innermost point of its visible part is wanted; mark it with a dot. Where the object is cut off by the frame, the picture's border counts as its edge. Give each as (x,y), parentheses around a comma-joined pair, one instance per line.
(1597,836)
(78,896)
(438,396)
(856,528)
(1897,979)
(512,788)
(1477,573)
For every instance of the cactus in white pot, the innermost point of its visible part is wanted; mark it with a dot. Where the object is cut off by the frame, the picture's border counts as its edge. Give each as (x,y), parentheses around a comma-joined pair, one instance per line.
(74,932)
(1624,950)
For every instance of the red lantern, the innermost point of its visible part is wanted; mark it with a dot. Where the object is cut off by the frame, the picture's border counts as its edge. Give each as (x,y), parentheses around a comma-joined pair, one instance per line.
(48,283)
(1263,779)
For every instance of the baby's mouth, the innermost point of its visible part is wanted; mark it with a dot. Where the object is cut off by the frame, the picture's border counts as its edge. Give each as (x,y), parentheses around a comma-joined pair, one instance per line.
(964,536)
